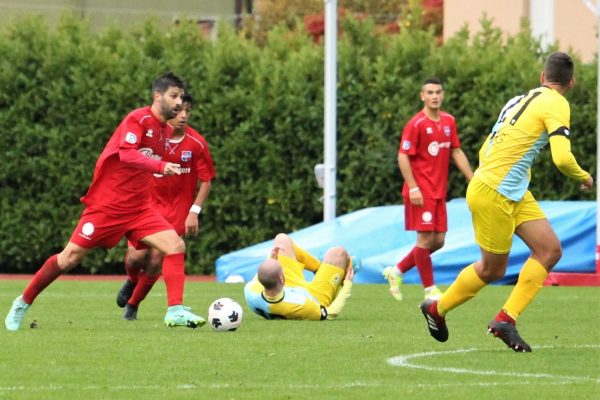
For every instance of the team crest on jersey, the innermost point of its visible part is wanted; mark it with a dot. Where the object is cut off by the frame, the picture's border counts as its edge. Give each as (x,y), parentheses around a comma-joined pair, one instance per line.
(149,133)
(131,138)
(447,130)
(428,130)
(186,155)
(405,144)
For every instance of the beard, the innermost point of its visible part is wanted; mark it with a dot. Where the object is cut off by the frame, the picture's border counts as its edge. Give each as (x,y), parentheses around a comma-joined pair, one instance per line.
(168,112)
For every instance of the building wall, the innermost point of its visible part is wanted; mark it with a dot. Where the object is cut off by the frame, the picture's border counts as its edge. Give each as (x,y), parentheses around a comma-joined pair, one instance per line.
(575,25)
(122,12)
(505,14)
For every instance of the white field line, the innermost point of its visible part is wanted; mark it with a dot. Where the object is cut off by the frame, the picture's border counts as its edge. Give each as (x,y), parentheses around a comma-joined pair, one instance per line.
(194,386)
(406,361)
(397,361)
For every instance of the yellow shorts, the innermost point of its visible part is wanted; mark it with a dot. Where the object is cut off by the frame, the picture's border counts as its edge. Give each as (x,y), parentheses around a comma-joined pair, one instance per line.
(324,285)
(495,217)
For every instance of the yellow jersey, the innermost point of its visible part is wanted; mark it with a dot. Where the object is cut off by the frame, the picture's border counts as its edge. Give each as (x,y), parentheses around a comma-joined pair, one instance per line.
(524,127)
(292,303)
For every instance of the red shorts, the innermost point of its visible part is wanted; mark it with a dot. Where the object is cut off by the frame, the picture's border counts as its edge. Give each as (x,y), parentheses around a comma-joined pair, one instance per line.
(97,229)
(431,217)
(174,215)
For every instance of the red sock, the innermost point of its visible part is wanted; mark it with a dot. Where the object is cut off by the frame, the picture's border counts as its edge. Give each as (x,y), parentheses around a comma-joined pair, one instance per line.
(433,309)
(407,262)
(423,261)
(133,273)
(502,316)
(142,288)
(42,278)
(173,270)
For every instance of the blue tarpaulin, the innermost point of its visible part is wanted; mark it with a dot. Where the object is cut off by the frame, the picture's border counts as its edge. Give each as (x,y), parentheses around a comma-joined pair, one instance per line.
(377,236)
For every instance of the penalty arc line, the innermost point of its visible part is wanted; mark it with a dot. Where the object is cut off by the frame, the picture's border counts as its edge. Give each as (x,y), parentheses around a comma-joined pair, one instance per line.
(404,361)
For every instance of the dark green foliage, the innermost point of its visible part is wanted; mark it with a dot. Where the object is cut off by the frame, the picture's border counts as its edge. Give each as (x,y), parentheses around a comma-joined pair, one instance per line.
(63,92)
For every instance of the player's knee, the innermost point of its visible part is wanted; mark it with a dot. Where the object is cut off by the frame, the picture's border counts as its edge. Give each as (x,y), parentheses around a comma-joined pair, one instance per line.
(337,256)
(490,275)
(491,271)
(437,245)
(68,260)
(135,259)
(282,240)
(552,256)
(153,268)
(154,265)
(178,246)
(428,240)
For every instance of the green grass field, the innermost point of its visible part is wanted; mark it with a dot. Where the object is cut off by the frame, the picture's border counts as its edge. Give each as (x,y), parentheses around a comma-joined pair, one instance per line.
(378,349)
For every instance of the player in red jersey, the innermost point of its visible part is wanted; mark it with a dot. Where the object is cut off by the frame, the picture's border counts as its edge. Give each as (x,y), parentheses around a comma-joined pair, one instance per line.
(176,199)
(118,204)
(428,141)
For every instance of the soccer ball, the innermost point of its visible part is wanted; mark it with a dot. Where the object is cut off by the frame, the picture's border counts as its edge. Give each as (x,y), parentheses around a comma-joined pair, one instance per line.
(225,314)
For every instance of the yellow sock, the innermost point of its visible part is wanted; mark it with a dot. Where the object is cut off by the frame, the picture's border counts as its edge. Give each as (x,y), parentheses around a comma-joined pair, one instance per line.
(531,280)
(465,287)
(310,262)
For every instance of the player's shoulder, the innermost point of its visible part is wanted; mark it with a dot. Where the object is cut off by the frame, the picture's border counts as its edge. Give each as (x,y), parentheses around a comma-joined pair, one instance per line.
(194,136)
(447,116)
(555,96)
(140,112)
(552,101)
(253,288)
(417,119)
(143,115)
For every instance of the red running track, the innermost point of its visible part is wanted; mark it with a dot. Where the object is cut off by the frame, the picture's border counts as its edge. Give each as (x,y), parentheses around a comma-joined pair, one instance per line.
(67,277)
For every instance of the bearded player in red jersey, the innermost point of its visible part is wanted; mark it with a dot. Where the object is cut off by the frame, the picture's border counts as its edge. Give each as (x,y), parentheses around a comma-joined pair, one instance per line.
(428,142)
(176,199)
(118,204)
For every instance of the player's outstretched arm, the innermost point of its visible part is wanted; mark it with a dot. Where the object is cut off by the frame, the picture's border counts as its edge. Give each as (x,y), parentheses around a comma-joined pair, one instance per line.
(171,169)
(336,307)
(563,158)
(588,184)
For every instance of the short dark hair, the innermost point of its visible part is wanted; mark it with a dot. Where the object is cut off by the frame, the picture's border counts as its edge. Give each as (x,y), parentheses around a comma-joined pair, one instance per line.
(187,98)
(559,68)
(165,81)
(435,81)
(269,282)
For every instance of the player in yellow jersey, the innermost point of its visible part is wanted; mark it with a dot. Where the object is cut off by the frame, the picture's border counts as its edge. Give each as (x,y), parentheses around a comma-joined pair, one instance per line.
(501,204)
(280,291)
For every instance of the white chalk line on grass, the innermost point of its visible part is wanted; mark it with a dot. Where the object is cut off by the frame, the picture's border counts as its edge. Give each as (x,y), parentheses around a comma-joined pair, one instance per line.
(405,361)
(398,361)
(300,386)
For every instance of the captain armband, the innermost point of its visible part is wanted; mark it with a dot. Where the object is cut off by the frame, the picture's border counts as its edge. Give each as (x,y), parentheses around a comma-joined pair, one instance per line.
(562,131)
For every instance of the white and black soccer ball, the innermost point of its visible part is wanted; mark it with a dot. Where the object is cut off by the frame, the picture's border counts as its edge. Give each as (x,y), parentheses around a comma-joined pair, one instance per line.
(225,314)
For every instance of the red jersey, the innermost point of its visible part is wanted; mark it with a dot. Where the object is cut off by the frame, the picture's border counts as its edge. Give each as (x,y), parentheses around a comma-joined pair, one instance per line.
(428,144)
(119,188)
(174,195)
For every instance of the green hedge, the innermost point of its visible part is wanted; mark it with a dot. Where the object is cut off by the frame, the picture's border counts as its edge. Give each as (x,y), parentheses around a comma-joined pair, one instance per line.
(64,90)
